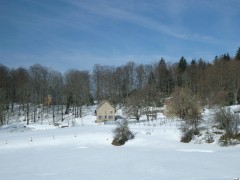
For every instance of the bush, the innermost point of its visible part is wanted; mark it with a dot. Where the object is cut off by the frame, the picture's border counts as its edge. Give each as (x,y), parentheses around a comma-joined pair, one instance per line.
(187,136)
(122,133)
(188,132)
(237,137)
(228,121)
(226,140)
(209,137)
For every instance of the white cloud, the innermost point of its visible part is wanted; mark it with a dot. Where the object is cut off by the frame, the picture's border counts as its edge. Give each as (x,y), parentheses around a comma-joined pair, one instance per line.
(62,50)
(175,8)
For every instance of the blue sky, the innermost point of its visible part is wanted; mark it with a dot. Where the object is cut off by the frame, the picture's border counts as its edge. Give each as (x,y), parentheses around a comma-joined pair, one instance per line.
(76,34)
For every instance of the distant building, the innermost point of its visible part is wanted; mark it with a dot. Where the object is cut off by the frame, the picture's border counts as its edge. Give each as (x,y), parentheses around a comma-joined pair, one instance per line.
(105,112)
(47,100)
(166,103)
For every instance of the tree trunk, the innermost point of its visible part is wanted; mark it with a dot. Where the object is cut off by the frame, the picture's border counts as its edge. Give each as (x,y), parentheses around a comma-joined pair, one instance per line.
(53,114)
(27,113)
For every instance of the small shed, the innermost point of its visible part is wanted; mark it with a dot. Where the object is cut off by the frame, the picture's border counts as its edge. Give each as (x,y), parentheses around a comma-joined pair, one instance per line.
(105,112)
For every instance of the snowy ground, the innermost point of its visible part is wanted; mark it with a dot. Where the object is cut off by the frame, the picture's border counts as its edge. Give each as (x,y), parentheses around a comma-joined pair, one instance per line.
(85,153)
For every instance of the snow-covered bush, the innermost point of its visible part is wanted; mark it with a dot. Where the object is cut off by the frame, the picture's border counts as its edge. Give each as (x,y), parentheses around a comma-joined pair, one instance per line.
(187,132)
(187,136)
(122,133)
(209,137)
(229,122)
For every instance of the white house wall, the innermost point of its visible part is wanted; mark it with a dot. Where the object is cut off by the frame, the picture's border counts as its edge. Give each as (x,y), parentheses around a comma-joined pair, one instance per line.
(105,112)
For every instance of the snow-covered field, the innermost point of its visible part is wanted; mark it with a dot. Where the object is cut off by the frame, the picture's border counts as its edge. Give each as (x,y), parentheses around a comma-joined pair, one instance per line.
(85,153)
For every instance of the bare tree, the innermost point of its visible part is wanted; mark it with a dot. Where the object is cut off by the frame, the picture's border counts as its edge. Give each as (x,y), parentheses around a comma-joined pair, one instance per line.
(134,105)
(117,84)
(2,107)
(77,85)
(186,106)
(4,93)
(141,76)
(103,77)
(22,89)
(39,78)
(129,78)
(233,85)
(56,92)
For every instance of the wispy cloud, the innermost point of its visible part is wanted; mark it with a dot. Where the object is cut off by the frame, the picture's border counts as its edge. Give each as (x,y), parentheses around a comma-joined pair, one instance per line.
(88,15)
(86,32)
(112,12)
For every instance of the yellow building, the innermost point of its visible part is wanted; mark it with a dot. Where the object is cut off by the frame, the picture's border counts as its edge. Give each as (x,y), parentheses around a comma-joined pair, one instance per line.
(105,112)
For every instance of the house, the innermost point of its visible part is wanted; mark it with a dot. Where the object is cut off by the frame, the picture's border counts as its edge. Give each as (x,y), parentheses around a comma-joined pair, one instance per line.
(166,109)
(105,112)
(47,100)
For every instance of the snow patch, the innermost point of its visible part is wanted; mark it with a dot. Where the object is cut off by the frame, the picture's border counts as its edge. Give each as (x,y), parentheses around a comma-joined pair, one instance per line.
(82,147)
(195,150)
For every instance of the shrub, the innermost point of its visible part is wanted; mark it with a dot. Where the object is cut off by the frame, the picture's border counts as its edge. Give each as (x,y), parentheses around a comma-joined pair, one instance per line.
(225,140)
(122,133)
(237,137)
(186,106)
(187,136)
(188,132)
(209,137)
(228,121)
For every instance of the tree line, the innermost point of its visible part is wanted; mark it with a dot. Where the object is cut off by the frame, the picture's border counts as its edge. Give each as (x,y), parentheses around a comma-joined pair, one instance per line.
(135,86)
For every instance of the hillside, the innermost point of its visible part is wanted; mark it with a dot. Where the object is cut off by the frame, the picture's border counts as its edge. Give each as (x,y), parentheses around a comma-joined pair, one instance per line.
(85,152)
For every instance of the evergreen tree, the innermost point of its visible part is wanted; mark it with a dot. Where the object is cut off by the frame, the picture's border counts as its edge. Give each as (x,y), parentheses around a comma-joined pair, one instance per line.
(193,62)
(182,65)
(226,57)
(163,78)
(237,56)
